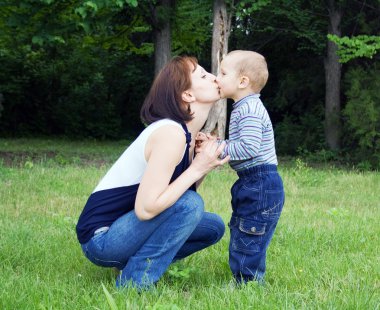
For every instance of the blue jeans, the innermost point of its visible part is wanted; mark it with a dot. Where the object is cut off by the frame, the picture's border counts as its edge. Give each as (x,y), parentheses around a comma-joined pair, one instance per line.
(143,250)
(257,201)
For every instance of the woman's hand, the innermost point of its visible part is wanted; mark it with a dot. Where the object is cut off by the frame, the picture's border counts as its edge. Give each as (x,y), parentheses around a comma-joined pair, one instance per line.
(200,138)
(208,157)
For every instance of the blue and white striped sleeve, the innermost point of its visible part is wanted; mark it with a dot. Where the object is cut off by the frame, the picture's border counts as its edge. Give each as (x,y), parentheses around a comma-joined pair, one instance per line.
(245,140)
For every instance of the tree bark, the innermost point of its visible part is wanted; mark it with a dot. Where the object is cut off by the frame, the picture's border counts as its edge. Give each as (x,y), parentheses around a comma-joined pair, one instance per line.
(216,122)
(333,72)
(162,33)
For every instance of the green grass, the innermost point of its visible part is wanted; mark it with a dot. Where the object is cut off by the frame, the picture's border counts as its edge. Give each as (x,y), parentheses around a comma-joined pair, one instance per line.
(325,253)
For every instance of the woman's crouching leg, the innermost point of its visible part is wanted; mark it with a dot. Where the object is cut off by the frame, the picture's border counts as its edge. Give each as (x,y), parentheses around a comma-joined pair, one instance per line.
(152,259)
(209,231)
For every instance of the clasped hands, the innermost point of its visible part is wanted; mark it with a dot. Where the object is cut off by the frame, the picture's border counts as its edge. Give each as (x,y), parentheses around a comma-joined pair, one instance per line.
(202,139)
(208,152)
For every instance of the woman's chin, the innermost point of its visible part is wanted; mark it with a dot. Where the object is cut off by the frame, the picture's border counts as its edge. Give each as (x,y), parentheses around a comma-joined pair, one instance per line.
(218,97)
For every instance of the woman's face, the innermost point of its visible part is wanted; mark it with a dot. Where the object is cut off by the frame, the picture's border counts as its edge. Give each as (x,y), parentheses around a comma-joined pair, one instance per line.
(203,86)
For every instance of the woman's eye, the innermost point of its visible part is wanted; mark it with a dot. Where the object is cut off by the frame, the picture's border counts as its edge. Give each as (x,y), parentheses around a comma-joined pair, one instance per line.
(204,76)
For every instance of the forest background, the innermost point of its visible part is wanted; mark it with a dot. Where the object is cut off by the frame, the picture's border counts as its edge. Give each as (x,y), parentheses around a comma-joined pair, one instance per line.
(81,69)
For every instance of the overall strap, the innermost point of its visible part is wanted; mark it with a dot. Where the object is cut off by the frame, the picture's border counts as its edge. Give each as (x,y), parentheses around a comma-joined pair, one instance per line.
(187,134)
(185,162)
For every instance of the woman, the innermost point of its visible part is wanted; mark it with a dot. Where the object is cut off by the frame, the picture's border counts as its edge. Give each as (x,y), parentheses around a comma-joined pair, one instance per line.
(144,214)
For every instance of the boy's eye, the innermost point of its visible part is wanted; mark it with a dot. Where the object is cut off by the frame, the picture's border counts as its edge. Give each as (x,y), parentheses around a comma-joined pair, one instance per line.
(203,76)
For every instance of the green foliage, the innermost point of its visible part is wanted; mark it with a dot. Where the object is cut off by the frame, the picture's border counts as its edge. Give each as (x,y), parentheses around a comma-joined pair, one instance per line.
(77,93)
(293,134)
(113,25)
(38,22)
(192,28)
(66,96)
(358,46)
(246,8)
(298,19)
(91,8)
(362,115)
(59,79)
(320,156)
(180,272)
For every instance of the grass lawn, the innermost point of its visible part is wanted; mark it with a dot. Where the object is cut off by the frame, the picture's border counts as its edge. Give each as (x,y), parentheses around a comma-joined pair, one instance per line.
(325,253)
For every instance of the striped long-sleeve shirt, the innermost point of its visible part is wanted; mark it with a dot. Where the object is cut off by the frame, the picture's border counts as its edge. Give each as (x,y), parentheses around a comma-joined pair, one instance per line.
(251,138)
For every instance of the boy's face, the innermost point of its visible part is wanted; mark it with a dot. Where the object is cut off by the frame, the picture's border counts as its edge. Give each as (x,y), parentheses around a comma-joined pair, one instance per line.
(228,79)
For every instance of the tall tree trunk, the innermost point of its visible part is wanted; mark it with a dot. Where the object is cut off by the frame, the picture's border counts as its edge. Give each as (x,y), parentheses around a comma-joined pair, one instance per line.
(216,122)
(333,72)
(162,33)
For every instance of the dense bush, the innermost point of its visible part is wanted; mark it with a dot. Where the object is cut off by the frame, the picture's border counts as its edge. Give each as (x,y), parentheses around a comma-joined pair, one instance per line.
(71,91)
(362,116)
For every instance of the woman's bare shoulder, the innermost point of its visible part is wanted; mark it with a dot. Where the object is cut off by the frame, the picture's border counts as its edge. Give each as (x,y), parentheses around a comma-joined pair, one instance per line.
(167,142)
(169,133)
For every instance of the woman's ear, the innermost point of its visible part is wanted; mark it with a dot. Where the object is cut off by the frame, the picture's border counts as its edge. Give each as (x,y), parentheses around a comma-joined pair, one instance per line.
(187,96)
(244,81)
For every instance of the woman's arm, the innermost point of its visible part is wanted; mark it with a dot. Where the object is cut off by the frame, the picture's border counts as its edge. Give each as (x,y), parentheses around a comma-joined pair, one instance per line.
(164,151)
(200,137)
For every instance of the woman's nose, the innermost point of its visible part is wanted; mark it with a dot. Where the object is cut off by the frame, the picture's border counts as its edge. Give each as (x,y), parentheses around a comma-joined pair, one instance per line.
(212,77)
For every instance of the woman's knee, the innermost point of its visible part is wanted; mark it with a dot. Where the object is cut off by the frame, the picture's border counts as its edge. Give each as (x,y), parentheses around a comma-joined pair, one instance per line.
(221,227)
(191,202)
(217,227)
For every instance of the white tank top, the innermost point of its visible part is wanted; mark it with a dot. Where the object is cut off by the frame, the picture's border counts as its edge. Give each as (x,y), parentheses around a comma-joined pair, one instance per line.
(130,167)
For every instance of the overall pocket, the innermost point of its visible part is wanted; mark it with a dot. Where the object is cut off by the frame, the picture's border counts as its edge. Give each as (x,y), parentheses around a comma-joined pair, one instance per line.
(247,236)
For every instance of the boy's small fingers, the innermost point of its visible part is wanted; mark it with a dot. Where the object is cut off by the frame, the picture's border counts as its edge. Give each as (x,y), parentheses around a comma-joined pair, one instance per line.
(225,160)
(201,136)
(221,147)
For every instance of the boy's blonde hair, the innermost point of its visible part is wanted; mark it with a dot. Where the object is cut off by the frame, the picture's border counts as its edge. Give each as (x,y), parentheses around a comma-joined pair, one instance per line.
(252,65)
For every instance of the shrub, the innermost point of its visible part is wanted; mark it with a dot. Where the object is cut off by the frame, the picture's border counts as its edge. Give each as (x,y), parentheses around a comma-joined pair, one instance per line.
(362,116)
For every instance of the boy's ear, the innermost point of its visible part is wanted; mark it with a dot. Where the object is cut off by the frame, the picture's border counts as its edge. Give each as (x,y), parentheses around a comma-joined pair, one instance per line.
(187,96)
(244,81)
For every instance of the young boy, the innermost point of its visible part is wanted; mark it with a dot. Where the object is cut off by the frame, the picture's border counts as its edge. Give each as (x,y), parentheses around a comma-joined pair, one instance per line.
(258,194)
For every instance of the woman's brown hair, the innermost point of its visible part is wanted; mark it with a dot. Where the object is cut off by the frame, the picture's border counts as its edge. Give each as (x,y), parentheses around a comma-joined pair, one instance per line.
(164,99)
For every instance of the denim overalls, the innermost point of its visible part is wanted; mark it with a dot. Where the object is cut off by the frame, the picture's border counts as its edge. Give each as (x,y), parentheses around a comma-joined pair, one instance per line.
(257,201)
